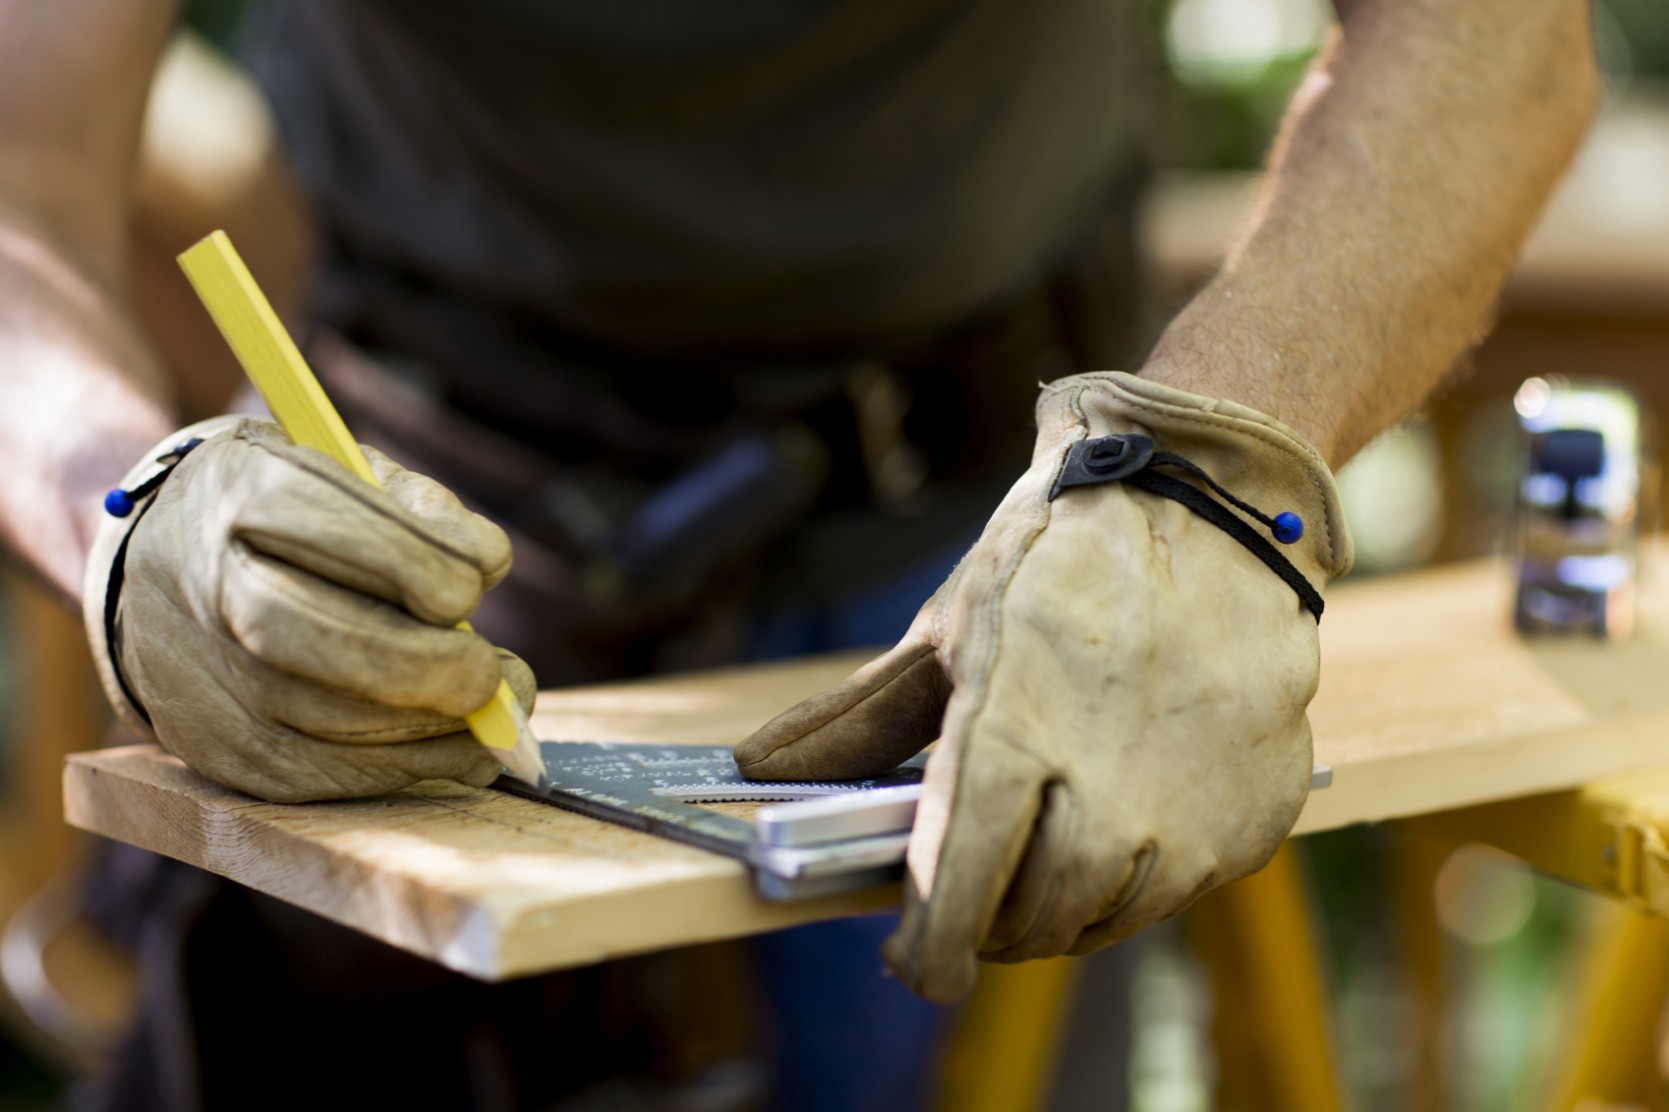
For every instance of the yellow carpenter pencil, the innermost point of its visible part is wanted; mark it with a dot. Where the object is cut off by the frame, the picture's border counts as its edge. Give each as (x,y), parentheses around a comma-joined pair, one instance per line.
(296,399)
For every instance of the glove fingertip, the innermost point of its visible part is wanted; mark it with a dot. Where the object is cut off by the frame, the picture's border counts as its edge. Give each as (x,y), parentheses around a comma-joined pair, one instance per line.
(941,977)
(485,770)
(457,757)
(883,714)
(520,677)
(478,540)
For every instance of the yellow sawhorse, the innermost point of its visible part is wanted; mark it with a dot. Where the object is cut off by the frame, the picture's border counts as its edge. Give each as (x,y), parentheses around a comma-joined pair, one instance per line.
(1611,837)
(1270,1027)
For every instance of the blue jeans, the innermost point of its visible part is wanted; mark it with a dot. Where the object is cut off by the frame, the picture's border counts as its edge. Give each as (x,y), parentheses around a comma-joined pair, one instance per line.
(844,1034)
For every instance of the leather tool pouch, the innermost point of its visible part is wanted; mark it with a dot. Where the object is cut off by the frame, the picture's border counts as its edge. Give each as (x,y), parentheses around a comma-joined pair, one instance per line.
(608,558)
(651,504)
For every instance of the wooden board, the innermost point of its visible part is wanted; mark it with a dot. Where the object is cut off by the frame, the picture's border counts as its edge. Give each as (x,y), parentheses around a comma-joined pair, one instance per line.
(1428,701)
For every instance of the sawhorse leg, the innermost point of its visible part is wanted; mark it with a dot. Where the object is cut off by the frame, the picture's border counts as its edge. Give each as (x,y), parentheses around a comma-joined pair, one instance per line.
(1618,1012)
(1008,1037)
(1272,1038)
(1612,837)
(1273,1046)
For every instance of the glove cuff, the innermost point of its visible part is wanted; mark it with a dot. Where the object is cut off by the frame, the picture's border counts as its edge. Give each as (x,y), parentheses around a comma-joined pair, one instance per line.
(1249,453)
(108,546)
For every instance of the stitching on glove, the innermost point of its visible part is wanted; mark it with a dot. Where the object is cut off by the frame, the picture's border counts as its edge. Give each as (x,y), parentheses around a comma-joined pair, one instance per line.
(1274,437)
(1138,871)
(257,564)
(1130,459)
(1058,845)
(359,491)
(120,503)
(1315,482)
(992,625)
(1270,432)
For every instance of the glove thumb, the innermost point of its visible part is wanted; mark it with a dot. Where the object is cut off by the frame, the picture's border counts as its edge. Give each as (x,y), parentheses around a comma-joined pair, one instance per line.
(883,714)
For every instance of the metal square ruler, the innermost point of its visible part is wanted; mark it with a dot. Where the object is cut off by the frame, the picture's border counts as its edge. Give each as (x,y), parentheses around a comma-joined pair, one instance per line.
(815,838)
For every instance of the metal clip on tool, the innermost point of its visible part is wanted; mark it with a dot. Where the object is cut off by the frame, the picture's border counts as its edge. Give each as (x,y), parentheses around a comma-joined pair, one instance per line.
(1588,485)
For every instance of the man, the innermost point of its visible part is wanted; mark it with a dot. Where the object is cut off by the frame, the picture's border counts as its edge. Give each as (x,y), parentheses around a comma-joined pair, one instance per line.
(696,219)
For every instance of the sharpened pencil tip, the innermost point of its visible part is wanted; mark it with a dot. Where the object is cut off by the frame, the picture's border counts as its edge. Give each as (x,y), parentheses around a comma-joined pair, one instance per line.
(526,762)
(517,765)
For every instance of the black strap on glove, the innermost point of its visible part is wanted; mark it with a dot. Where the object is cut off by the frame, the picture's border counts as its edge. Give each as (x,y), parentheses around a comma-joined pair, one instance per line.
(121,503)
(1131,459)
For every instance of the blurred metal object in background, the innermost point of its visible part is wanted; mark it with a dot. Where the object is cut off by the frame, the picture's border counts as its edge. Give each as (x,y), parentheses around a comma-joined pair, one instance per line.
(1588,486)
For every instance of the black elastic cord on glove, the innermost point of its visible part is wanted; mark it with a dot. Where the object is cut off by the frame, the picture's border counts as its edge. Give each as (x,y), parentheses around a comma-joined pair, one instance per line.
(1131,459)
(121,503)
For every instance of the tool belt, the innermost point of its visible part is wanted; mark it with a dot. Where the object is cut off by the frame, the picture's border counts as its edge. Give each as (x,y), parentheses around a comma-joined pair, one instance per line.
(654,504)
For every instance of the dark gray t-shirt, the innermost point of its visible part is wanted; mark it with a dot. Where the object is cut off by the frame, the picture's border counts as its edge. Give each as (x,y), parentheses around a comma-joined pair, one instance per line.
(680,178)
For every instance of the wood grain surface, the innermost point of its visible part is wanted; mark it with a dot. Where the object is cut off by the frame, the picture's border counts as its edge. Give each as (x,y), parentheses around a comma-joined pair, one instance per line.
(1428,701)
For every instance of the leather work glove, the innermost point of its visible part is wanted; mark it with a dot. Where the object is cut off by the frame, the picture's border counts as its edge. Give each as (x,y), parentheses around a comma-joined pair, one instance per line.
(289,629)
(1116,684)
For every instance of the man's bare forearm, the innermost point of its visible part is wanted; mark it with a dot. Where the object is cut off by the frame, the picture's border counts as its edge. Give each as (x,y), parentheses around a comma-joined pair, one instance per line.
(80,399)
(1412,165)
(81,396)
